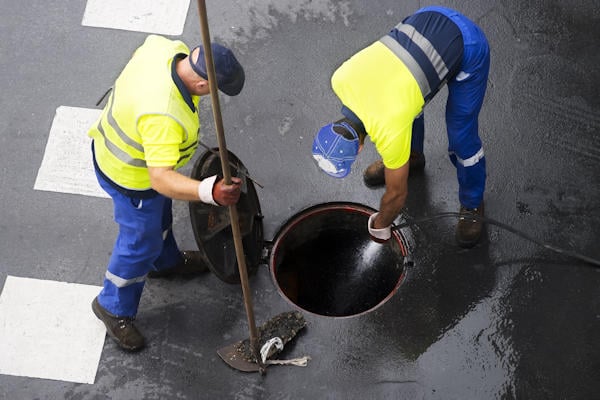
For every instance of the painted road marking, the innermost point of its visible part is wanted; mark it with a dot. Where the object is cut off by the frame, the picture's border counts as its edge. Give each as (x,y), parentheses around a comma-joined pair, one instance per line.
(67,164)
(48,330)
(154,16)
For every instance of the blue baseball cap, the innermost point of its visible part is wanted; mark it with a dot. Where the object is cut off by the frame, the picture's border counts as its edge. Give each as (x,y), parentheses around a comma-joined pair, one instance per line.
(334,153)
(230,74)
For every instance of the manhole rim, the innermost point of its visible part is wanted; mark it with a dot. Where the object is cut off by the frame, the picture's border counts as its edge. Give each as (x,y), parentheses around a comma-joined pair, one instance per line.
(320,208)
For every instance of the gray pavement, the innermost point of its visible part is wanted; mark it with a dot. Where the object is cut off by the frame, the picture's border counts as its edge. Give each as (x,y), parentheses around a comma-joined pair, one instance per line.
(507,319)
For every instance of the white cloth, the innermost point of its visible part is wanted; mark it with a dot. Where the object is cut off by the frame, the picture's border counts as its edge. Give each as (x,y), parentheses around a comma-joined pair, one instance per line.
(381,233)
(205,190)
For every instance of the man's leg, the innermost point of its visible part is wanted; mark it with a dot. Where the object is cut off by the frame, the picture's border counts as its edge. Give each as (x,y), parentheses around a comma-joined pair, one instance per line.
(170,254)
(465,98)
(417,158)
(137,246)
(171,261)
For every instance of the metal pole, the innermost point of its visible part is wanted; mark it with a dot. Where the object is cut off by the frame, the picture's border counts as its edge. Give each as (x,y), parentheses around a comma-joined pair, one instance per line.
(233,214)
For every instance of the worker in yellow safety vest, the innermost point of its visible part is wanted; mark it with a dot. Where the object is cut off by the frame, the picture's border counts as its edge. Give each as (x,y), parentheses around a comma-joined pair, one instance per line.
(384,88)
(148,129)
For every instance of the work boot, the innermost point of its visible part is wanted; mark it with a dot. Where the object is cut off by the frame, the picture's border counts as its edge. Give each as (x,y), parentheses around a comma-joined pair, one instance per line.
(468,229)
(121,329)
(374,175)
(192,265)
(416,162)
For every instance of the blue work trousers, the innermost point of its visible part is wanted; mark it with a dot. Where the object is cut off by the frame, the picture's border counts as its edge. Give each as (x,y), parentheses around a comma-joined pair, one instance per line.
(465,97)
(145,242)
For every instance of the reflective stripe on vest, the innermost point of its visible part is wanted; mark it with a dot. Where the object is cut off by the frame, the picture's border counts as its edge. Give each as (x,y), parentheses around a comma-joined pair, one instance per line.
(386,102)
(119,149)
(117,152)
(122,155)
(430,52)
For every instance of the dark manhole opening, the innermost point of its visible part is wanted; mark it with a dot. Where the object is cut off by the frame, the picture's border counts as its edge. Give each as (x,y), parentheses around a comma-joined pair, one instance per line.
(324,262)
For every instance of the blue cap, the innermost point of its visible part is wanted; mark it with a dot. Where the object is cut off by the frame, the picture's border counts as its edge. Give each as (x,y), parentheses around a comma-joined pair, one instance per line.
(230,74)
(334,153)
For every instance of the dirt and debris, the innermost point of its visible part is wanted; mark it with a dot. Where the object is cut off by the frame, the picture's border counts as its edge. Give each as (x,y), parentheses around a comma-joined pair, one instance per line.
(285,326)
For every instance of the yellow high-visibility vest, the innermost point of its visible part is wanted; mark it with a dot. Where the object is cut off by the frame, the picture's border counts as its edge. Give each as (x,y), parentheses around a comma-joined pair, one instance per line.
(144,87)
(378,87)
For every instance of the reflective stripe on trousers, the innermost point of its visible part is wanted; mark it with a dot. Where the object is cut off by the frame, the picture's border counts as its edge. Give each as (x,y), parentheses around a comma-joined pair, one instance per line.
(465,98)
(145,242)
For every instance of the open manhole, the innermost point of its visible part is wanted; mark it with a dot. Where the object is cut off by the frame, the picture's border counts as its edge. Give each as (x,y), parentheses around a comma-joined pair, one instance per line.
(324,261)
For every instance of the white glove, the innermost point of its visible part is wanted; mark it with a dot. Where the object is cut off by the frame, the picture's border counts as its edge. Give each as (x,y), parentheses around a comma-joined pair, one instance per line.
(381,235)
(205,190)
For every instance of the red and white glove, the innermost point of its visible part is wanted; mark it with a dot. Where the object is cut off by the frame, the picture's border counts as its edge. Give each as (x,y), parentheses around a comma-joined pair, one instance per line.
(212,190)
(380,235)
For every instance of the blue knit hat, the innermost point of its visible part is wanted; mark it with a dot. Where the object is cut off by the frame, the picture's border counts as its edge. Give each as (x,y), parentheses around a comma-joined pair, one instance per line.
(334,153)
(230,74)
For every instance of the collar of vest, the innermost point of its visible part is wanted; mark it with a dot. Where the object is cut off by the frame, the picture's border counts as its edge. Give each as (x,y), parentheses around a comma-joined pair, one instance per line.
(179,83)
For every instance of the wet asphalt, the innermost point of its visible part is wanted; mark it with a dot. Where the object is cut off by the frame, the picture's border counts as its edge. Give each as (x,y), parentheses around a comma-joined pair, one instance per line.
(505,320)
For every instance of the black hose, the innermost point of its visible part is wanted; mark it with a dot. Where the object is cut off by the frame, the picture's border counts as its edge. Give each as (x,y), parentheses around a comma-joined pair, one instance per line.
(569,253)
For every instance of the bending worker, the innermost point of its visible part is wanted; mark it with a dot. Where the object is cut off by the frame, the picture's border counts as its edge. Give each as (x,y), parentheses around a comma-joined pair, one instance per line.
(148,129)
(383,89)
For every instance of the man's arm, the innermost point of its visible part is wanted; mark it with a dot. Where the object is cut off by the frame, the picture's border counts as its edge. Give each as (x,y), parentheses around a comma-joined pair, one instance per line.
(161,137)
(170,183)
(392,201)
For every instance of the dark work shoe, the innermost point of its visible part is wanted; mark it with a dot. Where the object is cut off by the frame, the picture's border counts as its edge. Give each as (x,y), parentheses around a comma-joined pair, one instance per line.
(374,175)
(416,162)
(468,229)
(193,264)
(121,329)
